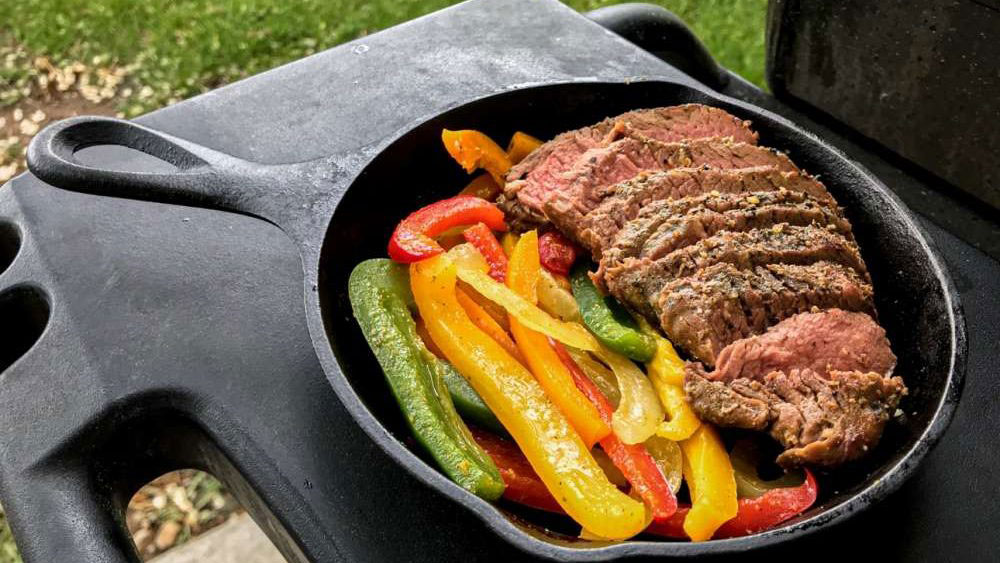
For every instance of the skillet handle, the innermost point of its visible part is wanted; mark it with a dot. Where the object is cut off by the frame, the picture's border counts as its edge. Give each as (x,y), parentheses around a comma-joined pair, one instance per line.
(204,177)
(659,31)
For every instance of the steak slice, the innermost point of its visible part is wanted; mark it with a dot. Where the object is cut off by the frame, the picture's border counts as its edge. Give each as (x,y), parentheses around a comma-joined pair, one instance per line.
(821,420)
(665,225)
(833,340)
(544,167)
(591,180)
(720,304)
(619,204)
(638,281)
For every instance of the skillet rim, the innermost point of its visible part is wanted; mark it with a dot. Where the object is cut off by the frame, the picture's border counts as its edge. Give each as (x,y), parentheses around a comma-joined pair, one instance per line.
(492,516)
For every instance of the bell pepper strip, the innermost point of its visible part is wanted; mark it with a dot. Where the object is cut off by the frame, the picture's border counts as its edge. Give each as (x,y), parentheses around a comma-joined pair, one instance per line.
(481,237)
(521,145)
(709,476)
(557,254)
(425,337)
(522,277)
(485,323)
(666,373)
(473,150)
(633,460)
(508,241)
(482,186)
(639,411)
(522,484)
(413,238)
(379,297)
(746,457)
(527,313)
(608,320)
(554,450)
(668,457)
(753,515)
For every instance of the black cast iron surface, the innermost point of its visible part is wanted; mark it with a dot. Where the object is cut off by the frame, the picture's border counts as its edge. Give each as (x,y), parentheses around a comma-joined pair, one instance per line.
(177,334)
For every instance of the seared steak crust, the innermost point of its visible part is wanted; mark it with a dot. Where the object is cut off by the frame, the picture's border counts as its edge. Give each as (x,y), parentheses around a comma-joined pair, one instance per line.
(637,281)
(720,304)
(821,420)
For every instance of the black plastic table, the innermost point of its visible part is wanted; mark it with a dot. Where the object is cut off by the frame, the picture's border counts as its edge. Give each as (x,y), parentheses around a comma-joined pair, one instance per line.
(175,337)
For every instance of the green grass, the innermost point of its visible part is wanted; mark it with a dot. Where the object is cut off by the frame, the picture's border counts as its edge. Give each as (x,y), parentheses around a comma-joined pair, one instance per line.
(178,48)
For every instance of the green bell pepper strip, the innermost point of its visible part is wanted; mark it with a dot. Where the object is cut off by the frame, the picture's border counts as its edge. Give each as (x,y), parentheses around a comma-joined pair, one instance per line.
(380,295)
(608,320)
(467,402)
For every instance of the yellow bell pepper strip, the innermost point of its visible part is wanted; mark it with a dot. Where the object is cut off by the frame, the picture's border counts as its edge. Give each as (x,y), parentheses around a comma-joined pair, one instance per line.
(554,450)
(522,276)
(709,476)
(521,145)
(485,323)
(666,373)
(639,412)
(528,314)
(473,150)
(483,186)
(508,241)
(380,300)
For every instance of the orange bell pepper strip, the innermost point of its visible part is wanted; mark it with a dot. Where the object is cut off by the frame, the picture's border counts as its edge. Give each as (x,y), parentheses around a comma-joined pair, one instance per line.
(481,237)
(485,323)
(483,186)
(473,150)
(521,145)
(634,461)
(522,276)
(554,450)
(709,476)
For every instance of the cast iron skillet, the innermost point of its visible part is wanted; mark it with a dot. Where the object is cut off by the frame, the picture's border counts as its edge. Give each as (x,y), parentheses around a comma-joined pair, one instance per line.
(339,221)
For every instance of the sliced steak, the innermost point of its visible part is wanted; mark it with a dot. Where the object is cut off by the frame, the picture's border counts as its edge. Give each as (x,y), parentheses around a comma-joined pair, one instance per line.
(821,420)
(665,225)
(598,170)
(544,168)
(639,280)
(832,340)
(619,204)
(720,304)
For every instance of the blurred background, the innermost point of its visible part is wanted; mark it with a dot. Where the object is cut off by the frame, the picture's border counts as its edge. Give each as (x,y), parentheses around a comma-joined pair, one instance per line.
(60,58)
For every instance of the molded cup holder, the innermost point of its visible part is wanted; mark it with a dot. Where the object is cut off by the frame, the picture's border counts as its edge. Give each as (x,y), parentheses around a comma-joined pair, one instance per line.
(24,314)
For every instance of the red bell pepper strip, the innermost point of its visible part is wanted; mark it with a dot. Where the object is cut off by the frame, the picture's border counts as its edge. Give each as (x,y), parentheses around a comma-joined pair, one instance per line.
(413,241)
(633,460)
(556,253)
(481,237)
(522,484)
(755,514)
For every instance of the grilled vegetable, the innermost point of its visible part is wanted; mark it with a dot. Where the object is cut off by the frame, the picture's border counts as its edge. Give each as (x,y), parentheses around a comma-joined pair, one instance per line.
(666,373)
(413,238)
(543,434)
(753,515)
(557,254)
(633,460)
(556,299)
(379,296)
(526,312)
(608,320)
(483,186)
(481,237)
(551,373)
(473,150)
(521,145)
(709,477)
(639,412)
(746,458)
(485,323)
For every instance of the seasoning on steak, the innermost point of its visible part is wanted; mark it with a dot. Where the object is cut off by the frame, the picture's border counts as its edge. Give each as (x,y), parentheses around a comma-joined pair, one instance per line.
(705,312)
(665,225)
(820,419)
(833,340)
(590,180)
(638,281)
